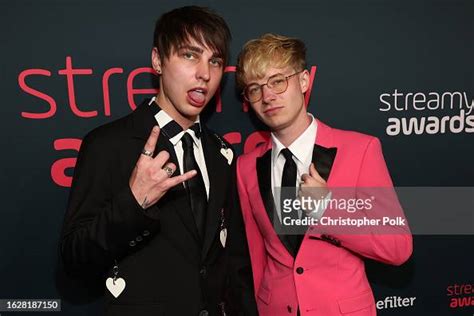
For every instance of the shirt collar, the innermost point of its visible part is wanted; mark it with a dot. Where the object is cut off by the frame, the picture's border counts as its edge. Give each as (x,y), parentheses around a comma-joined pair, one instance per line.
(171,128)
(299,148)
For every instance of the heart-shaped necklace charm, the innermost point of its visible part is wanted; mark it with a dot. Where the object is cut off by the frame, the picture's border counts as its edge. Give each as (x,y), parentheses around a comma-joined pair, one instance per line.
(116,286)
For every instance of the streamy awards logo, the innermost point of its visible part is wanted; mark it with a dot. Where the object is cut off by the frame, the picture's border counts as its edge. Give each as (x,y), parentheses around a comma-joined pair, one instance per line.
(418,113)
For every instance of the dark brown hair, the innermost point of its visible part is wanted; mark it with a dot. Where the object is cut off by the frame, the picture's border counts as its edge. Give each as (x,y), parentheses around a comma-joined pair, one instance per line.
(175,28)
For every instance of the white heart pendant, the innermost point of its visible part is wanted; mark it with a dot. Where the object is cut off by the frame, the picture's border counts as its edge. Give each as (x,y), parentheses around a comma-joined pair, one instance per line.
(223,236)
(228,154)
(117,287)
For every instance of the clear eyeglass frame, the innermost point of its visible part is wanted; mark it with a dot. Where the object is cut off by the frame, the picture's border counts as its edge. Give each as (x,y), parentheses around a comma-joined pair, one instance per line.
(277,83)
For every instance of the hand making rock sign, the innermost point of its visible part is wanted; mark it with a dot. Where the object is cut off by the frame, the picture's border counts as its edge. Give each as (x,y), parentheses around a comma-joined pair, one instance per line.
(152,177)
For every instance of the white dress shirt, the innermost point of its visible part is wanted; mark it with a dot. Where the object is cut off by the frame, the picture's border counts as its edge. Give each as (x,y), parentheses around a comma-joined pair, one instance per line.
(302,150)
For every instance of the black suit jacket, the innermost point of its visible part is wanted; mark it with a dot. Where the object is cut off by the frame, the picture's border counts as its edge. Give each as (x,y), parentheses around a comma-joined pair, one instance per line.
(167,269)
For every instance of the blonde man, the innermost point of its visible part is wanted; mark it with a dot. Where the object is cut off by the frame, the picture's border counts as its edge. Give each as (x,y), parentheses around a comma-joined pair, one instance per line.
(311,273)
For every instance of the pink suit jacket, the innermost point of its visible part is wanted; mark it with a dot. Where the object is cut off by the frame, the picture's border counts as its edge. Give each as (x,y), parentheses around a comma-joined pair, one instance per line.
(327,277)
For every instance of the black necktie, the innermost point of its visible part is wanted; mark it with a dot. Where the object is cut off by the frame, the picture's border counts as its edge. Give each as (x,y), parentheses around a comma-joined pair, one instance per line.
(288,179)
(288,184)
(194,186)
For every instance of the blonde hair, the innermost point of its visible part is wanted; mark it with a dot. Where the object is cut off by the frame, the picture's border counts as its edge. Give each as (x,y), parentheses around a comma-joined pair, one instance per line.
(269,50)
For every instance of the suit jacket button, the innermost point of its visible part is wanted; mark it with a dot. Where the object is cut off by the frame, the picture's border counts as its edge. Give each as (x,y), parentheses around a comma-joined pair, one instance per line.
(145,233)
(289,309)
(299,270)
(203,272)
(204,313)
(139,238)
(132,243)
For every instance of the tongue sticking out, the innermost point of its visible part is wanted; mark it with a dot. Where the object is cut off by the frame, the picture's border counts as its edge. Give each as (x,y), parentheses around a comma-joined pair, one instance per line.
(197,97)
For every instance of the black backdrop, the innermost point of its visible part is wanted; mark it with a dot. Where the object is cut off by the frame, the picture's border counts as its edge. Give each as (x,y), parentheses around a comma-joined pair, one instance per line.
(375,64)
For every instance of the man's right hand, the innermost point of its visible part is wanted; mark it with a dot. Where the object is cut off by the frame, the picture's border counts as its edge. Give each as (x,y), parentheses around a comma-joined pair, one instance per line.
(149,180)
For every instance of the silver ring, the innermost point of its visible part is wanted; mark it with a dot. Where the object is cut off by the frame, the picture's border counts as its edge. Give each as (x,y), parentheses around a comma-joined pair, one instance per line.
(147,153)
(168,171)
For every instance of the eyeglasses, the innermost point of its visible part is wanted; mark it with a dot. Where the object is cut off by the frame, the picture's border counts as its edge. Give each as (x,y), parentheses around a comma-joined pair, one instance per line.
(277,83)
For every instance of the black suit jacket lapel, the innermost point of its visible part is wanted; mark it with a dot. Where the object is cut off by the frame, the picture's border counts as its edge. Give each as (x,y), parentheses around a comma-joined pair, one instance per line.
(264,175)
(323,159)
(218,171)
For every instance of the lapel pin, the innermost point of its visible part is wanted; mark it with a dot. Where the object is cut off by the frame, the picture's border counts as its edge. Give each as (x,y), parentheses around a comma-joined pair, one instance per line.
(225,151)
(228,154)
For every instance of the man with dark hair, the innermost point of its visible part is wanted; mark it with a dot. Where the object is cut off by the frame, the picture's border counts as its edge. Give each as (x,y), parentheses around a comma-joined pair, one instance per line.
(150,204)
